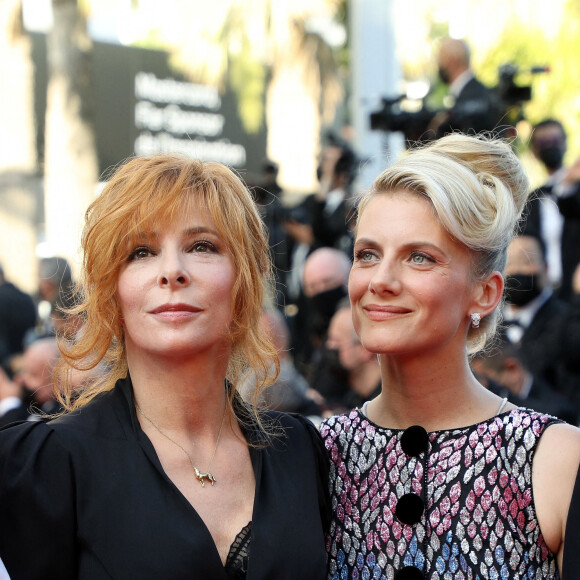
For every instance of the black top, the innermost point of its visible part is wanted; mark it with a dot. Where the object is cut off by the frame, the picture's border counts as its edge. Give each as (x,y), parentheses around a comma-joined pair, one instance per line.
(571,562)
(85,497)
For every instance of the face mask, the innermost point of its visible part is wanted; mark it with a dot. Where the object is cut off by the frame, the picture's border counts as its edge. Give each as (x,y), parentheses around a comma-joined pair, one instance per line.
(325,303)
(443,75)
(319,173)
(521,289)
(331,360)
(551,157)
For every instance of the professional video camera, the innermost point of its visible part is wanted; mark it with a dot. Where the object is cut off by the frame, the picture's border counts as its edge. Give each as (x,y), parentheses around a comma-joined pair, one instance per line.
(502,106)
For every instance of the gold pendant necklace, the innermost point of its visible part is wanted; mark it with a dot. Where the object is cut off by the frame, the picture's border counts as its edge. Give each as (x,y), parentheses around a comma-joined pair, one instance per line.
(201,477)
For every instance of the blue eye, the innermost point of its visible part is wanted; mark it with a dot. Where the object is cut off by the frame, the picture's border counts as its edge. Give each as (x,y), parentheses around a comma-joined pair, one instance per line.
(419,258)
(364,256)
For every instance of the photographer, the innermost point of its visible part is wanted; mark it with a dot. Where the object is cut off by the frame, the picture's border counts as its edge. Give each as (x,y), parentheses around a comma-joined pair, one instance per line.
(475,108)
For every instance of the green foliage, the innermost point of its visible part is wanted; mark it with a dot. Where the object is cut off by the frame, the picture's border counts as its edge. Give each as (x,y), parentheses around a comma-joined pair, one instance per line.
(554,94)
(247,79)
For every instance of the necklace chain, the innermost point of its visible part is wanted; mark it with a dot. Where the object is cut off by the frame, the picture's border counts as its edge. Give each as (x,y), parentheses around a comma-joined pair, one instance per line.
(201,477)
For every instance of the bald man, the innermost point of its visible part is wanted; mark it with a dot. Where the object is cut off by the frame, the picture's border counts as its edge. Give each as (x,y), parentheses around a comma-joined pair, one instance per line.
(364,372)
(475,108)
(325,283)
(35,376)
(326,269)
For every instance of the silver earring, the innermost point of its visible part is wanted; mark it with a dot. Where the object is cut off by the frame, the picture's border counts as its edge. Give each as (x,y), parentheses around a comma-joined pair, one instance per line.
(475,319)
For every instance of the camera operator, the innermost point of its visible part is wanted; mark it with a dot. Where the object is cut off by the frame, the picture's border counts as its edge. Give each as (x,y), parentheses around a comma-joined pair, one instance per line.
(475,107)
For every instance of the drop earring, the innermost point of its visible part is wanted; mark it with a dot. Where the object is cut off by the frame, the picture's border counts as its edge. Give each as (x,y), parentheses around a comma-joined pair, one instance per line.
(475,319)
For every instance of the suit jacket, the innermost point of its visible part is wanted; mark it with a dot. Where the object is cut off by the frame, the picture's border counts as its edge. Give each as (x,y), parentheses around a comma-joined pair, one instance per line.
(16,414)
(545,343)
(85,497)
(571,562)
(541,398)
(570,209)
(476,110)
(17,315)
(570,242)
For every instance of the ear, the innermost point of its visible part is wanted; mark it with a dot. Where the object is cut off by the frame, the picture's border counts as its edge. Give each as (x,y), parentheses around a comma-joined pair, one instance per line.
(487,294)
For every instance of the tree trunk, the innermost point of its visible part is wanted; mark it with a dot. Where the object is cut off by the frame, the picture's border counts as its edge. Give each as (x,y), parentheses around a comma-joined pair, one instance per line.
(20,196)
(71,167)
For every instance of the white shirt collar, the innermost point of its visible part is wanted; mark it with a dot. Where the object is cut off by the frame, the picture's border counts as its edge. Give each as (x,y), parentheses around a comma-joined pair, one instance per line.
(9,403)
(556,177)
(457,85)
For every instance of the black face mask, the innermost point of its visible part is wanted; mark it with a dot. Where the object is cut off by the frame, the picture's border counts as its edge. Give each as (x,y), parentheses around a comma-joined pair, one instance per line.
(319,173)
(521,289)
(325,303)
(443,75)
(331,360)
(552,157)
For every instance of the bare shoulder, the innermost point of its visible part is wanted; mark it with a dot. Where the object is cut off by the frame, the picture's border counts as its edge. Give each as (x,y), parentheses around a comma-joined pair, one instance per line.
(560,444)
(554,474)
(558,456)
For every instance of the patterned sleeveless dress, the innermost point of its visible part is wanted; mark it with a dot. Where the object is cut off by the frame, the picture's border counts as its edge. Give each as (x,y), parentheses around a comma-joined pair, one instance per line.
(447,505)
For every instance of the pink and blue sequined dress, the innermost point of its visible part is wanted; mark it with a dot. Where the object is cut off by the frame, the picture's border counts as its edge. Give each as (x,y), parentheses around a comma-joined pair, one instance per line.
(447,505)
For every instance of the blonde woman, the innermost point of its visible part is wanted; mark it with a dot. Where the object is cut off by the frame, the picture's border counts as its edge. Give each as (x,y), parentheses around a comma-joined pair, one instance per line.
(437,477)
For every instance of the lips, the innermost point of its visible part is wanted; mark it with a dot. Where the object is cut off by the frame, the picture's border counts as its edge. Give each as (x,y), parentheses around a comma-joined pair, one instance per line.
(384,312)
(174,308)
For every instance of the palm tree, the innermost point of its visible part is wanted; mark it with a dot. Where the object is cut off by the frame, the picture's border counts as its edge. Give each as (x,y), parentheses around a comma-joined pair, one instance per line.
(264,50)
(20,198)
(70,164)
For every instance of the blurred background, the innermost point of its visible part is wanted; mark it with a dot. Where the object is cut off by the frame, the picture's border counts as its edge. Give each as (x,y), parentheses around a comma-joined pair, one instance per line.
(254,84)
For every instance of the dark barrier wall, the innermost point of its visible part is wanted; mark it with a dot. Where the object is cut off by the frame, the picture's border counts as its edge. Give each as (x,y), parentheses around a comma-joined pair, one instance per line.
(141,106)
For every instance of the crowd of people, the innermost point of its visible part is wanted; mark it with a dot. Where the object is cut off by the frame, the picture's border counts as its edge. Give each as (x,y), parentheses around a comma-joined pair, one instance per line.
(382,386)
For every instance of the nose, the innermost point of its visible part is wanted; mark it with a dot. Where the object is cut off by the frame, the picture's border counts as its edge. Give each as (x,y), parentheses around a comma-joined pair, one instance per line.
(385,280)
(172,273)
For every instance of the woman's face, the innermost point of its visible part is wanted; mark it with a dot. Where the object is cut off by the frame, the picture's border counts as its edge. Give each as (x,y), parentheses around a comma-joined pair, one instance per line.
(175,290)
(410,284)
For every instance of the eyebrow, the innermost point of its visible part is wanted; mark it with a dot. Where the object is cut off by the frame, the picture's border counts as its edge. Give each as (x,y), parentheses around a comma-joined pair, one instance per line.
(371,242)
(199,230)
(194,231)
(407,246)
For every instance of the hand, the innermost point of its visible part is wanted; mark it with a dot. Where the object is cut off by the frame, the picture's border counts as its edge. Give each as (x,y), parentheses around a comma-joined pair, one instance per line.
(330,155)
(302,233)
(573,173)
(439,119)
(576,280)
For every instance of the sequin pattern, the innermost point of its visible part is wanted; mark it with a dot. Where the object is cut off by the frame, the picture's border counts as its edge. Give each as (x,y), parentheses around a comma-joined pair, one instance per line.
(479,520)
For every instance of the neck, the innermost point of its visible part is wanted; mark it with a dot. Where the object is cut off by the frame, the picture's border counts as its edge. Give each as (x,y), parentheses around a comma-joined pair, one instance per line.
(433,392)
(180,396)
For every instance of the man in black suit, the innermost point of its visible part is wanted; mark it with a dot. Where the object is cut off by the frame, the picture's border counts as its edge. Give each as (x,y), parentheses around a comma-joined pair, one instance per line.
(542,325)
(12,405)
(553,212)
(474,108)
(17,316)
(31,393)
(504,373)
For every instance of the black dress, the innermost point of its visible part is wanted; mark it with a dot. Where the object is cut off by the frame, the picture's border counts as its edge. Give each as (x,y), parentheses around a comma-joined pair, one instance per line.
(85,497)
(571,562)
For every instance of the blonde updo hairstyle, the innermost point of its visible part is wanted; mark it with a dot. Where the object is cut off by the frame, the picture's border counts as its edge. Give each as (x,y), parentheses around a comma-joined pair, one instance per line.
(478,189)
(145,194)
